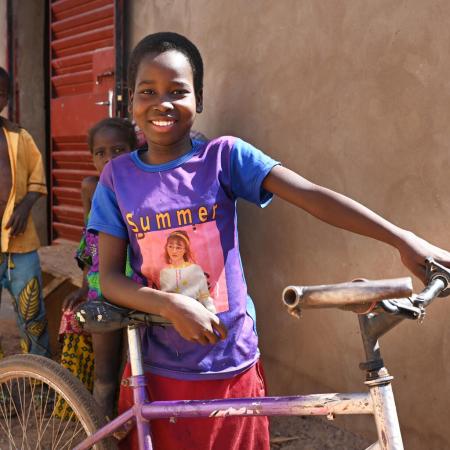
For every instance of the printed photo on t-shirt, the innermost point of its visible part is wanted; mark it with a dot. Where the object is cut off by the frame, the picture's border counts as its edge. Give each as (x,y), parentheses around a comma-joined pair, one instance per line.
(187,260)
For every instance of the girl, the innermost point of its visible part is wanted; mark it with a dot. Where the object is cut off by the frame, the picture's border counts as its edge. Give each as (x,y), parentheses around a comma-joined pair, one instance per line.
(179,183)
(181,274)
(106,140)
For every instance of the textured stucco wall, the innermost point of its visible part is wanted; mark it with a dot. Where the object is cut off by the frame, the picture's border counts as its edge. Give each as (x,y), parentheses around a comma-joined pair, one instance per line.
(29,29)
(3,40)
(354,95)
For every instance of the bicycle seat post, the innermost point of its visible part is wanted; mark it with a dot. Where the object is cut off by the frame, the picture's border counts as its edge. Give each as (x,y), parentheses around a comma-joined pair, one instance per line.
(138,383)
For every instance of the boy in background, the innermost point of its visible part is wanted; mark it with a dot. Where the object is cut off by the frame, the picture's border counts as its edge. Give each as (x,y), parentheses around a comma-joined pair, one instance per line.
(22,182)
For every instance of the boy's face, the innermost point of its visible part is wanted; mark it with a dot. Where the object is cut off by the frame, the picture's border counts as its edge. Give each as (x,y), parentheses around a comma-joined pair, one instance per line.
(164,103)
(3,94)
(107,144)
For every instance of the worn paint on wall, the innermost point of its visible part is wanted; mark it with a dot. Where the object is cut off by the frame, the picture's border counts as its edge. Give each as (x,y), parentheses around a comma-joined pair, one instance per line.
(3,40)
(355,96)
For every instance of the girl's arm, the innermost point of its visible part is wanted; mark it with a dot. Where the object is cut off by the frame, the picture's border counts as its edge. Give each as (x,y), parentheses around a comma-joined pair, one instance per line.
(189,317)
(343,212)
(88,186)
(78,296)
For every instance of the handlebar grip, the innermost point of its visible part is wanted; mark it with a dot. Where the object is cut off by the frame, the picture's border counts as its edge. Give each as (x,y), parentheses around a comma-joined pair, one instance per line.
(350,293)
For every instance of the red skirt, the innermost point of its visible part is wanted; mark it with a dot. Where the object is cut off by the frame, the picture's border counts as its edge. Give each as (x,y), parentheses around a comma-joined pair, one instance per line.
(229,433)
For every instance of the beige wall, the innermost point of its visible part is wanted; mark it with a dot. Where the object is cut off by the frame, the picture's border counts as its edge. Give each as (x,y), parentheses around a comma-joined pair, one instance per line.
(354,95)
(29,23)
(3,40)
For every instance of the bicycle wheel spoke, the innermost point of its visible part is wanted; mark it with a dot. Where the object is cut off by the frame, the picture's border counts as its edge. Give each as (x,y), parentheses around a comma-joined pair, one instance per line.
(67,425)
(37,418)
(69,443)
(5,406)
(21,394)
(8,417)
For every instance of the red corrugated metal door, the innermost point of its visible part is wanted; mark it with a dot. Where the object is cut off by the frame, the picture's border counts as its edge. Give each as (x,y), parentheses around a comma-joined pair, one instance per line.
(86,86)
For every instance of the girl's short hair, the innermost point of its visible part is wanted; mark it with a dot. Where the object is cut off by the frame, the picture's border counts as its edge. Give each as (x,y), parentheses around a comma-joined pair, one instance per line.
(123,126)
(161,43)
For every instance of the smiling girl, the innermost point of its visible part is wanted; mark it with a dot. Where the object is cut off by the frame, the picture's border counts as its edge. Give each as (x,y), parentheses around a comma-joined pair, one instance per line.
(203,355)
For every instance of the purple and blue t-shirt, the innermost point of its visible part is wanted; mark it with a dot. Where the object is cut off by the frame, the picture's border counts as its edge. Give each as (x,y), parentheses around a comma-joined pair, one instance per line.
(190,203)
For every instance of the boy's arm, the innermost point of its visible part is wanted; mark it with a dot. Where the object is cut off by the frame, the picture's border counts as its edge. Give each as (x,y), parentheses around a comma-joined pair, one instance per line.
(19,217)
(188,316)
(343,212)
(35,183)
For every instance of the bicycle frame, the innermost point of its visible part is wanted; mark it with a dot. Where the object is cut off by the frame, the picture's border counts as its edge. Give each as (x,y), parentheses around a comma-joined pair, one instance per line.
(379,401)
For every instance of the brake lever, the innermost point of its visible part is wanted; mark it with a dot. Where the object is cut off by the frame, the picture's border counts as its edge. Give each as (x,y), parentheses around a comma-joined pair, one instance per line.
(404,308)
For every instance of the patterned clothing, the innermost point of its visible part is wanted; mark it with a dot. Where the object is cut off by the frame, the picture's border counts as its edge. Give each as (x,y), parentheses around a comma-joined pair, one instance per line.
(20,273)
(87,255)
(77,356)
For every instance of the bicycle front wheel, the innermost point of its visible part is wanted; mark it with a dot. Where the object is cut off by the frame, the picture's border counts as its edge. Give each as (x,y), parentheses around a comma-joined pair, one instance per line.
(43,406)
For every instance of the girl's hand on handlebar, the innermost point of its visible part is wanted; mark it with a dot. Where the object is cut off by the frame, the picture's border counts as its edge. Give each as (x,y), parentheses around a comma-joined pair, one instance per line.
(193,321)
(414,251)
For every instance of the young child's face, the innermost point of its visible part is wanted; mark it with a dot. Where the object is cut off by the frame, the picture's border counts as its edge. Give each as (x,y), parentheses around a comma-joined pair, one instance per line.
(3,93)
(176,249)
(164,102)
(107,144)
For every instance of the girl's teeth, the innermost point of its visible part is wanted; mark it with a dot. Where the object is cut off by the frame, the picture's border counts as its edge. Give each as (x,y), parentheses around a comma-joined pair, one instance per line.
(162,123)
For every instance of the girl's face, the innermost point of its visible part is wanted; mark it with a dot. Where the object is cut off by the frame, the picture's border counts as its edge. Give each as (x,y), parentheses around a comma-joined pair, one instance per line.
(176,249)
(108,143)
(164,103)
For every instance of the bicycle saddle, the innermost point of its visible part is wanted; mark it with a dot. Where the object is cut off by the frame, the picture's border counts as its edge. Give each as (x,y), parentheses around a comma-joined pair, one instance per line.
(100,316)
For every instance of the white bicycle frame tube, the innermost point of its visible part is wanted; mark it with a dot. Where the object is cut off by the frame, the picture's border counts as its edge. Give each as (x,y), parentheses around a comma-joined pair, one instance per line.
(385,415)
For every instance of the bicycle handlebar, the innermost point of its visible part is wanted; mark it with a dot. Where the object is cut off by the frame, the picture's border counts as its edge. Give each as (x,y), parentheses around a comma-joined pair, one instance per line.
(342,294)
(393,295)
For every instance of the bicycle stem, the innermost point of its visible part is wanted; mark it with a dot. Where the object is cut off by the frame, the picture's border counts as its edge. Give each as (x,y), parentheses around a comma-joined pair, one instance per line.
(373,326)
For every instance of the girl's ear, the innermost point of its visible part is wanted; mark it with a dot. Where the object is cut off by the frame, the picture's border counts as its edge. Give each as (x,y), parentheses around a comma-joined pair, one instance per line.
(199,101)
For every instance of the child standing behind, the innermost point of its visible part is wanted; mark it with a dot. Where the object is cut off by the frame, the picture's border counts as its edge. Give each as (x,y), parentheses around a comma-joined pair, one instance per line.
(22,182)
(178,184)
(106,140)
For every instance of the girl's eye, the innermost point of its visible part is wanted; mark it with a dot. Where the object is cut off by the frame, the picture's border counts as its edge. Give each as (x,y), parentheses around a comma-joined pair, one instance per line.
(99,154)
(179,92)
(148,92)
(119,150)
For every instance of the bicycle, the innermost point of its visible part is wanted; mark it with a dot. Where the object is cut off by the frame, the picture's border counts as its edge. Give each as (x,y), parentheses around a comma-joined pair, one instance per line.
(381,304)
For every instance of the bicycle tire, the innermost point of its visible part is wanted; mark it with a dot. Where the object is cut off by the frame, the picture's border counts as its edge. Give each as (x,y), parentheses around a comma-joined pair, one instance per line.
(31,389)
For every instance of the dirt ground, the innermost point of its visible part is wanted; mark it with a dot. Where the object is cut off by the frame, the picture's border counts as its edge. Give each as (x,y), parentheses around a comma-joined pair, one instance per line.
(287,433)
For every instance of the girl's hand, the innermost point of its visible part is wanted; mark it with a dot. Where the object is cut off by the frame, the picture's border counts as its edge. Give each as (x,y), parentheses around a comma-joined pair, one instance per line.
(74,299)
(193,321)
(414,250)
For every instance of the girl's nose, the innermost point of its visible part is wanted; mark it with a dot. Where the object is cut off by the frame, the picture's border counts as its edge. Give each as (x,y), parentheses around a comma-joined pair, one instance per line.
(163,104)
